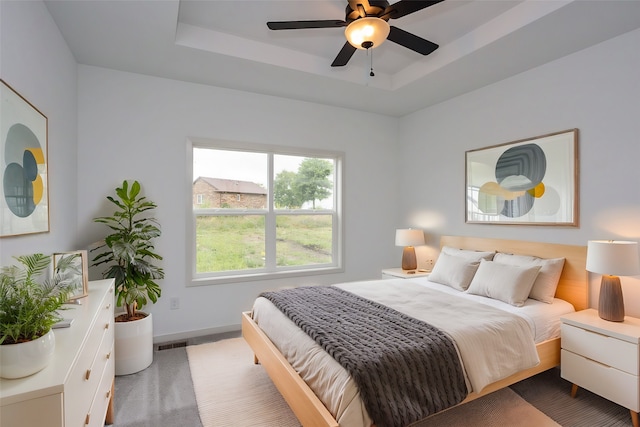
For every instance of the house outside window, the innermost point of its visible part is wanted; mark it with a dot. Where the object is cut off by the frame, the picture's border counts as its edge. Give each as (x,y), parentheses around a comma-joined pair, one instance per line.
(263,211)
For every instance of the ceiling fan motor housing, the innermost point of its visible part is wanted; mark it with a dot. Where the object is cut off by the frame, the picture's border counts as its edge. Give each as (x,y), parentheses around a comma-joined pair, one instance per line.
(375,9)
(358,15)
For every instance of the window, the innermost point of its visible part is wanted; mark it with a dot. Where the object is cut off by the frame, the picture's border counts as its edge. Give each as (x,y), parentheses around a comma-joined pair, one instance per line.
(263,211)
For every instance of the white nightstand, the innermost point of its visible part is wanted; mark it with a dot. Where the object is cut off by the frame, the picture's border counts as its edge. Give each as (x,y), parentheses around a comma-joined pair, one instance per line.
(603,357)
(394,273)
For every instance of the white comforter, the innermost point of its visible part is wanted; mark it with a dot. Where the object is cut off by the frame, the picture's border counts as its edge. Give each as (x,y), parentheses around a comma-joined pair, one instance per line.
(492,343)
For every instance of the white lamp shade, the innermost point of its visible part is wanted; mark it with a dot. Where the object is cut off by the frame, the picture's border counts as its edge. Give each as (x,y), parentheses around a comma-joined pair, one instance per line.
(613,257)
(409,237)
(369,29)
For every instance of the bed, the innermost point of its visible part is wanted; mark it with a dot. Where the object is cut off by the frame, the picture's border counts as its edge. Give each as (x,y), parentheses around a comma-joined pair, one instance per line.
(308,407)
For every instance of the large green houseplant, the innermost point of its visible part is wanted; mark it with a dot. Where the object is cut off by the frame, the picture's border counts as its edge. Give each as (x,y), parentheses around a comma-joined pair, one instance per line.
(128,252)
(129,255)
(29,305)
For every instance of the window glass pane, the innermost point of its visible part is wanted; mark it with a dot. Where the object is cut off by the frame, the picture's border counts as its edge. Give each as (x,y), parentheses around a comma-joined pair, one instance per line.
(303,182)
(234,242)
(303,239)
(229,179)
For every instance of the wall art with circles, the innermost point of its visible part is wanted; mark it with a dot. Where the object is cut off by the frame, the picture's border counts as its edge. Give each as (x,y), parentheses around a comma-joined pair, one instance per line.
(532,181)
(24,201)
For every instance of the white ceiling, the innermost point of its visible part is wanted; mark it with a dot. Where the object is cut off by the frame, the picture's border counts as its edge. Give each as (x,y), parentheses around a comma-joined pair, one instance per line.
(227,44)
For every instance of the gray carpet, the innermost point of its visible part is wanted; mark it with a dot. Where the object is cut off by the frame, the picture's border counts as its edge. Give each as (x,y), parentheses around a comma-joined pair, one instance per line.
(550,394)
(163,395)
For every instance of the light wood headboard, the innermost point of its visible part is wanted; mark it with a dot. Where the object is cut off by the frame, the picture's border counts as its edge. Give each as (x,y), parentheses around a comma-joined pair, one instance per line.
(573,285)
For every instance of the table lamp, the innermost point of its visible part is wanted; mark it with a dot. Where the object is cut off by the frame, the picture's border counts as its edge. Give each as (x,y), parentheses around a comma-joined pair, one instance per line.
(612,258)
(409,238)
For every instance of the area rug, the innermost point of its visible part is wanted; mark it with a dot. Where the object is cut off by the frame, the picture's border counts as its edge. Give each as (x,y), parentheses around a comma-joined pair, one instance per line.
(232,391)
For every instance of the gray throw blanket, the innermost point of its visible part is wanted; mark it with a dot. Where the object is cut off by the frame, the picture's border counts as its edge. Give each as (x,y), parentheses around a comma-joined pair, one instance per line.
(405,369)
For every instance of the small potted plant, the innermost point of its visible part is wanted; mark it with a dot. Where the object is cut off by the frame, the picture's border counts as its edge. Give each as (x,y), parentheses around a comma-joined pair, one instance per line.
(29,304)
(128,254)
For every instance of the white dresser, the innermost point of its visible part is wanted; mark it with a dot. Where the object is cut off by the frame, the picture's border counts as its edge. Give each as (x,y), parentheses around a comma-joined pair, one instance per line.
(76,389)
(603,357)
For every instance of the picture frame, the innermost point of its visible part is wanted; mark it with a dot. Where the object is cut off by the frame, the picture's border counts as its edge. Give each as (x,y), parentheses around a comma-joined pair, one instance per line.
(24,189)
(77,272)
(531,181)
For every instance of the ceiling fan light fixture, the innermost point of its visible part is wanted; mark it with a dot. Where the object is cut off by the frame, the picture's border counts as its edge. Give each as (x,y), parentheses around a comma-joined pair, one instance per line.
(367,32)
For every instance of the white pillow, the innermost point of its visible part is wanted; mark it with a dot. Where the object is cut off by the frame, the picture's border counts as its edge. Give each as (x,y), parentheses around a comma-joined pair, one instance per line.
(507,283)
(544,288)
(468,254)
(453,271)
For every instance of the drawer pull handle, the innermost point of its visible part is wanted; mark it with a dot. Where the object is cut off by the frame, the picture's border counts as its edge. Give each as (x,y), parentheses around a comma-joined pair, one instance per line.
(599,363)
(108,355)
(106,326)
(589,332)
(108,394)
(108,306)
(87,375)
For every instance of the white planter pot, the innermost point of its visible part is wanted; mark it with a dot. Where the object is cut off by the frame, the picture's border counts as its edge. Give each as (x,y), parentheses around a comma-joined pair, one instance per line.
(27,358)
(133,345)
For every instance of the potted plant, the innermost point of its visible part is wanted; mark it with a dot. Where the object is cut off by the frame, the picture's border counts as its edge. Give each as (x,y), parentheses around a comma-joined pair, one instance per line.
(128,254)
(29,304)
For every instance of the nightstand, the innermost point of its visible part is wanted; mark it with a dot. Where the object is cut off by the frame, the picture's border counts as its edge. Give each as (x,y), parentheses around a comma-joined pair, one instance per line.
(602,357)
(394,273)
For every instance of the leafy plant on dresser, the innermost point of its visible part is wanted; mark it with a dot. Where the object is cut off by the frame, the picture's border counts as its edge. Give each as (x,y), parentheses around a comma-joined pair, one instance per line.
(29,302)
(129,253)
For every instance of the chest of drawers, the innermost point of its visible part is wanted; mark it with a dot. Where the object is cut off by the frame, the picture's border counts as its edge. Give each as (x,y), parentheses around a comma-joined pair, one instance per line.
(603,357)
(76,389)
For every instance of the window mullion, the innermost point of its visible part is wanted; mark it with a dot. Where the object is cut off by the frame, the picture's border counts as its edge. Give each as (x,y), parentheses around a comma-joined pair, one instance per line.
(270,220)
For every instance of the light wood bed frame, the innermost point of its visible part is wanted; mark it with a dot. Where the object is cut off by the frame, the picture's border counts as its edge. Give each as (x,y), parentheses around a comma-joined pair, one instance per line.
(310,411)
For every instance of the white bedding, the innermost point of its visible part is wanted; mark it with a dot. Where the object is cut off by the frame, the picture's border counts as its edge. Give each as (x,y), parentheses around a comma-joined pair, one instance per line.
(332,384)
(543,318)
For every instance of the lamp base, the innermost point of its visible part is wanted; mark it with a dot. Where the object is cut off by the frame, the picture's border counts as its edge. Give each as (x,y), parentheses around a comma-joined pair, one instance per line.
(409,261)
(611,302)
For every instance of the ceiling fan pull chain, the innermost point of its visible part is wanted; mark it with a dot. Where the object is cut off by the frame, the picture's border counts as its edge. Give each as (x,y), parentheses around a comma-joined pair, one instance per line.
(370,53)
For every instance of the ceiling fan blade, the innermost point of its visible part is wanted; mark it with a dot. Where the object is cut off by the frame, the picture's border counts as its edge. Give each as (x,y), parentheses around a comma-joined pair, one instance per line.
(405,7)
(344,55)
(411,41)
(297,25)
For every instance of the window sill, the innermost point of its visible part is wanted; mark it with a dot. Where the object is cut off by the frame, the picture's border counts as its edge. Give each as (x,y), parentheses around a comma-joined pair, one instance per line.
(219,280)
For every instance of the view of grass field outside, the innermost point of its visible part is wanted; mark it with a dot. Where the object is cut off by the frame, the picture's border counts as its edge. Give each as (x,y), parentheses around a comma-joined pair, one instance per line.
(232,236)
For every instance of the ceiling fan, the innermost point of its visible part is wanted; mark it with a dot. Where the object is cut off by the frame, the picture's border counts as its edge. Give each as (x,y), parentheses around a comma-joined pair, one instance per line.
(367,27)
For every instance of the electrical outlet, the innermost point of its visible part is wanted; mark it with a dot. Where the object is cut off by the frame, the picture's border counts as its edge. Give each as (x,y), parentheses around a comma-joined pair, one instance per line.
(429,264)
(174,303)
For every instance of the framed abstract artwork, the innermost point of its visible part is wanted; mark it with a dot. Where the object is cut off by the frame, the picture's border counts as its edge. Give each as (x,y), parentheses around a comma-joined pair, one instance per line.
(24,205)
(72,268)
(532,181)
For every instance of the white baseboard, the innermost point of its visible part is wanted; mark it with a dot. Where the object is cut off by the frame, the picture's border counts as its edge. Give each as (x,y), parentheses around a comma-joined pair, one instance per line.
(194,334)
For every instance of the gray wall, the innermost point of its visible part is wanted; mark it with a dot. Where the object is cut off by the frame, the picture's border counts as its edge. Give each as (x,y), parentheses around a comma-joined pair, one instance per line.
(595,90)
(37,63)
(105,126)
(136,127)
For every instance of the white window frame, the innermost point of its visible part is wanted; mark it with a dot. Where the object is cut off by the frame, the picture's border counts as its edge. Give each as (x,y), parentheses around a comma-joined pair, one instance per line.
(270,270)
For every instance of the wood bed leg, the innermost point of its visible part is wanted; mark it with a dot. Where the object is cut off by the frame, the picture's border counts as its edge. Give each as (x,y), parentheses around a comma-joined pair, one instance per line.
(255,359)
(634,418)
(574,390)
